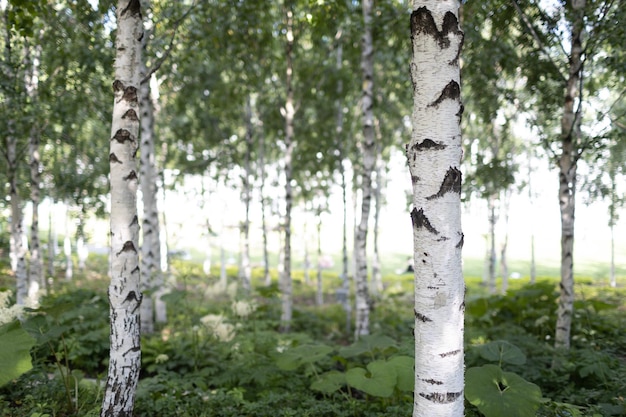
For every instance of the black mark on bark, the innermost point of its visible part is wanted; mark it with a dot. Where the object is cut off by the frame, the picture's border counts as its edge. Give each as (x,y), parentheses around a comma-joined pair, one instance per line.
(451,183)
(459,245)
(132,175)
(130,95)
(451,353)
(422,317)
(128,246)
(134,221)
(134,7)
(432,381)
(415,179)
(428,144)
(113,159)
(422,22)
(118,86)
(123,135)
(442,397)
(132,350)
(131,115)
(451,91)
(420,220)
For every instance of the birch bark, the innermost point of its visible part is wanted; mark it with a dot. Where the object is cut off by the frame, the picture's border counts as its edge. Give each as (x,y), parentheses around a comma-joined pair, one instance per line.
(289,112)
(35,271)
(345,281)
(362,298)
(246,269)
(434,158)
(17,249)
(570,135)
(124,292)
(152,277)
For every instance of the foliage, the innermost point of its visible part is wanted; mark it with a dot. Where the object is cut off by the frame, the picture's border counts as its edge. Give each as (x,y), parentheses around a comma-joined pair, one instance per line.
(317,370)
(15,345)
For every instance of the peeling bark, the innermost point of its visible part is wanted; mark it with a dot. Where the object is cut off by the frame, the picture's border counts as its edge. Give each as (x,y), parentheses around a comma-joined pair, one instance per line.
(434,157)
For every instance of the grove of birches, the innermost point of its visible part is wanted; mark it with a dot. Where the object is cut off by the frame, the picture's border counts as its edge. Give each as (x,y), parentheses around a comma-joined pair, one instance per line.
(200,208)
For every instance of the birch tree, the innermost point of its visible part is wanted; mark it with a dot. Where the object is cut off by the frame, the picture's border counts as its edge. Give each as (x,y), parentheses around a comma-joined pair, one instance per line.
(434,158)
(288,111)
(362,299)
(124,292)
(152,278)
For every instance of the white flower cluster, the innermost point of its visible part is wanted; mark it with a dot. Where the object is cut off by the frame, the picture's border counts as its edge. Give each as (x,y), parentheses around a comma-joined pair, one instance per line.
(216,326)
(8,313)
(243,309)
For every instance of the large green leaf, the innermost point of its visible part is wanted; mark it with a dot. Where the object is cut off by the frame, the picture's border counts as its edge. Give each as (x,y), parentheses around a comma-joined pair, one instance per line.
(15,345)
(293,358)
(497,393)
(502,351)
(405,370)
(379,380)
(329,382)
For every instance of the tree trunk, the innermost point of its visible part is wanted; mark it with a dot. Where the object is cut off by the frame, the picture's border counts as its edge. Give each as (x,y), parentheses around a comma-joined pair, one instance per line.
(267,279)
(344,291)
(570,133)
(35,271)
(245,272)
(505,243)
(362,324)
(533,267)
(377,279)
(319,295)
(434,156)
(612,279)
(124,290)
(152,307)
(289,112)
(307,258)
(17,250)
(67,246)
(491,279)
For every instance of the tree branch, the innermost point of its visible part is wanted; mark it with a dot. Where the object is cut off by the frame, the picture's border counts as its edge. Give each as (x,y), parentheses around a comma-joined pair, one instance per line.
(537,39)
(168,51)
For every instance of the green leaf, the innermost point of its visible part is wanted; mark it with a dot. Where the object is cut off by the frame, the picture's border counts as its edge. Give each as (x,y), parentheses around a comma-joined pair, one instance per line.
(293,358)
(497,393)
(15,345)
(502,351)
(379,380)
(329,382)
(405,370)
(368,344)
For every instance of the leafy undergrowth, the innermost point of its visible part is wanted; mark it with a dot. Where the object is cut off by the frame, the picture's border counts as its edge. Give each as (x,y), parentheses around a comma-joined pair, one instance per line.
(221,353)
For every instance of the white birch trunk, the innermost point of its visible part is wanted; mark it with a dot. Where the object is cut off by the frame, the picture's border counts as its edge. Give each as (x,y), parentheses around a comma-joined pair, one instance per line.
(319,294)
(505,243)
(17,249)
(124,290)
(491,278)
(570,134)
(344,291)
(35,271)
(245,272)
(434,156)
(289,113)
(267,279)
(377,278)
(152,277)
(362,323)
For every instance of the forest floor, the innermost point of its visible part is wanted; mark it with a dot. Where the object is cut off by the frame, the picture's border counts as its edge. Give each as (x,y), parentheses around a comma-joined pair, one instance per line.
(220,353)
